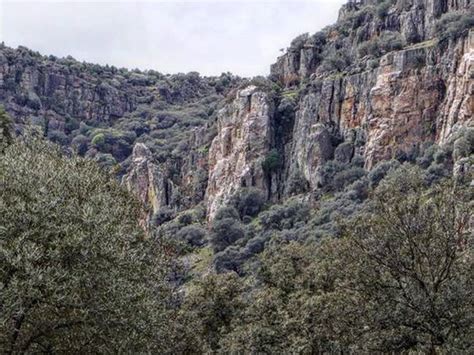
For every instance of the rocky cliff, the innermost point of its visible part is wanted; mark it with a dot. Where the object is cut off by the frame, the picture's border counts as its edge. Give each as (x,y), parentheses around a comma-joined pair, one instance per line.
(387,78)
(243,141)
(384,103)
(104,112)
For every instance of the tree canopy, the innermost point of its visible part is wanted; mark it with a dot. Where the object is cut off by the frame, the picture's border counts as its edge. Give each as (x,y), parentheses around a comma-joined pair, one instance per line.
(77,273)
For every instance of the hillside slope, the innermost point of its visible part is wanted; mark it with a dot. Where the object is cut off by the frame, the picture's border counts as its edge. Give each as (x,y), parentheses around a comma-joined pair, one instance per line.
(389,78)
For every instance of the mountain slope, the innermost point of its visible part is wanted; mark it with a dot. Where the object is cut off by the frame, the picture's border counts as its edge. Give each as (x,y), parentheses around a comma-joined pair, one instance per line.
(387,79)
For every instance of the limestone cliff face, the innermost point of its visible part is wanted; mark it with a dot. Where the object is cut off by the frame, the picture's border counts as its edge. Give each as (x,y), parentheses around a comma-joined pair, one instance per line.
(376,108)
(376,85)
(31,86)
(147,181)
(243,141)
(173,185)
(360,21)
(416,95)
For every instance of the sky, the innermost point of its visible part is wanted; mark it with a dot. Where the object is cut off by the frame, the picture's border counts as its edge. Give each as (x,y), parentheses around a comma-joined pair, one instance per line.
(211,37)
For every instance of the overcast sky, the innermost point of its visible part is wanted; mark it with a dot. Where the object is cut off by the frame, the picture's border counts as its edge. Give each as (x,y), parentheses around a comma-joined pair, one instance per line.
(211,37)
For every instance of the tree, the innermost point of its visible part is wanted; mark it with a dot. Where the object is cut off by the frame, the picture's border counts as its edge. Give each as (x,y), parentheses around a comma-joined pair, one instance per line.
(77,274)
(211,304)
(400,280)
(6,137)
(248,201)
(224,233)
(409,267)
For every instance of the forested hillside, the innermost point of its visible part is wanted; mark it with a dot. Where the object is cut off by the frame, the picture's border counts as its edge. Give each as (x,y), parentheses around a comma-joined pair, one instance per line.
(326,208)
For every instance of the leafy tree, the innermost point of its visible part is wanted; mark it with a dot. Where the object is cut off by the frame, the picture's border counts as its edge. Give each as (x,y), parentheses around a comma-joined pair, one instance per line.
(98,140)
(77,274)
(212,303)
(248,201)
(400,280)
(226,212)
(225,232)
(411,262)
(454,24)
(272,162)
(6,137)
(194,235)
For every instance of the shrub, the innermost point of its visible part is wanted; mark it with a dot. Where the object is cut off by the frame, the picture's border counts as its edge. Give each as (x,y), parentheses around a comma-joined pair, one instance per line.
(228,260)
(186,218)
(98,141)
(386,42)
(80,143)
(224,233)
(383,8)
(248,201)
(285,216)
(464,145)
(380,170)
(193,235)
(347,177)
(453,24)
(391,41)
(226,212)
(436,172)
(298,42)
(370,47)
(58,137)
(272,162)
(161,216)
(297,184)
(105,160)
(33,101)
(335,60)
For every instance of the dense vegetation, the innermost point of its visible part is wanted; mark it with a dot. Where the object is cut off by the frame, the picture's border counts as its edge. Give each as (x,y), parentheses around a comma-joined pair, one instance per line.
(375,261)
(101,111)
(79,274)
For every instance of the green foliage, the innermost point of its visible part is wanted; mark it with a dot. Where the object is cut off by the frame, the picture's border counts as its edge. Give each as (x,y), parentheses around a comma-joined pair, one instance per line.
(464,144)
(356,19)
(127,106)
(163,215)
(212,303)
(284,216)
(80,144)
(335,175)
(335,60)
(192,235)
(412,263)
(6,128)
(58,137)
(454,24)
(98,140)
(272,162)
(76,271)
(385,43)
(402,271)
(383,8)
(224,233)
(248,201)
(380,171)
(226,212)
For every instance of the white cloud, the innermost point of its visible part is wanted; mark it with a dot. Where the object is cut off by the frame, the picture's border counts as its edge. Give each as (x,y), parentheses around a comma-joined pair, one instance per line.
(243,37)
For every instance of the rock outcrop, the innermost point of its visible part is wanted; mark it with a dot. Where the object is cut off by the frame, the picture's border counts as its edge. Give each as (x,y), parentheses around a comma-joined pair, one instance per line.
(385,79)
(173,185)
(377,108)
(387,112)
(243,141)
(147,181)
